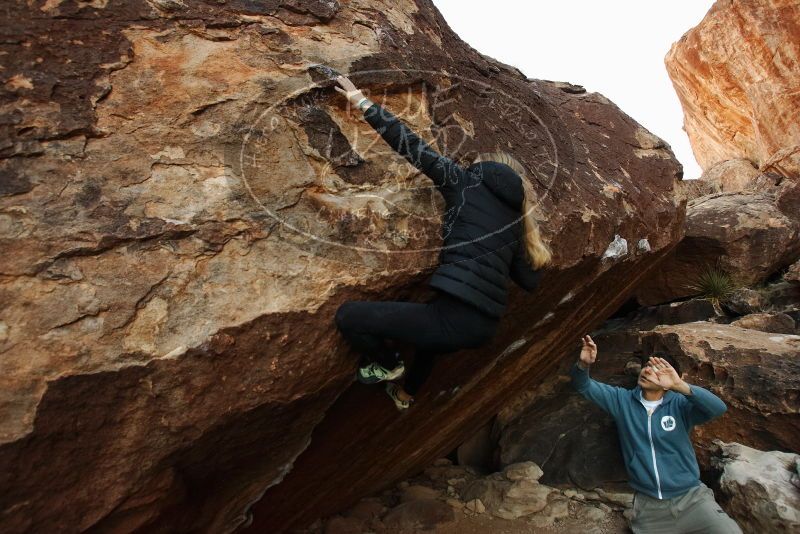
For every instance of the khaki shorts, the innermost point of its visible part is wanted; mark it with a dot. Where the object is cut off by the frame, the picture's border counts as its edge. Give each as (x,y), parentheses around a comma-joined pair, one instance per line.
(694,511)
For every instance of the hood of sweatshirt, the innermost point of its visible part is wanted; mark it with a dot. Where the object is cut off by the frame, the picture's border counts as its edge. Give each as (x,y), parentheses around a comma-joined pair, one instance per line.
(501,180)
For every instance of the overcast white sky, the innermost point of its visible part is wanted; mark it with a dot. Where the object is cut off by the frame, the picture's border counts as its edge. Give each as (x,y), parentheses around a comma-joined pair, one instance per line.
(614,47)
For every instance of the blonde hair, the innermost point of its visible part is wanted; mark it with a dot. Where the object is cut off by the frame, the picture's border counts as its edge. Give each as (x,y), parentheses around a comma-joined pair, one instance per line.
(539,252)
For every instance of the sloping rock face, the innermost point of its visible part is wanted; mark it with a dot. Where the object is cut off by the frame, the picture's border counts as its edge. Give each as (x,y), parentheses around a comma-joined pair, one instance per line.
(737,75)
(183,209)
(749,234)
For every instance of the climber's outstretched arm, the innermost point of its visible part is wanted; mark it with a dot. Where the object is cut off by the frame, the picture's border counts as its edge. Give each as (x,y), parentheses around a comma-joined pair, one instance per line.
(444,172)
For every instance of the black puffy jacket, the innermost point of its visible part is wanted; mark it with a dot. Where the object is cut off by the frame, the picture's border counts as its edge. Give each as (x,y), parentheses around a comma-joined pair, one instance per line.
(482,228)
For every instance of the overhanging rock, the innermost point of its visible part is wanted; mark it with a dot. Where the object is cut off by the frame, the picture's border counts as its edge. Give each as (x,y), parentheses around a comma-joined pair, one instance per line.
(184,207)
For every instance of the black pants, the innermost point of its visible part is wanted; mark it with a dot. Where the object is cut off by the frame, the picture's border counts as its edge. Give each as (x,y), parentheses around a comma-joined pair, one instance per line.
(444,324)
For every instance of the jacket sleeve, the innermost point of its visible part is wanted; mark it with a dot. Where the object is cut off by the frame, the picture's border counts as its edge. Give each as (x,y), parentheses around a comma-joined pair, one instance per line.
(521,271)
(446,175)
(702,406)
(605,396)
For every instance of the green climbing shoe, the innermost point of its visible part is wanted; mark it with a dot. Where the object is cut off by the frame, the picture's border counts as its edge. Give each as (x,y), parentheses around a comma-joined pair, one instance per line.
(373,373)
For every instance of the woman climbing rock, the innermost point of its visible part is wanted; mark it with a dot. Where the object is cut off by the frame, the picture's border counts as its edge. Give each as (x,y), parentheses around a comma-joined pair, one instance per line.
(489,235)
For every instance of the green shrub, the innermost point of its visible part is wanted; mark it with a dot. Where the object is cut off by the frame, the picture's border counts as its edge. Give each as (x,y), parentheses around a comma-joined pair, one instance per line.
(714,284)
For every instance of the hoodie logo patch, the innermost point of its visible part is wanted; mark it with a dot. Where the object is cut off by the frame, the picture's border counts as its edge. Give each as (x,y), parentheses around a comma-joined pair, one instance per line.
(668,423)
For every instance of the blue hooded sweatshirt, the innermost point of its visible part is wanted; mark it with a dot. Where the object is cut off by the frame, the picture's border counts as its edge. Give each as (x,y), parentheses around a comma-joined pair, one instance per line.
(656,448)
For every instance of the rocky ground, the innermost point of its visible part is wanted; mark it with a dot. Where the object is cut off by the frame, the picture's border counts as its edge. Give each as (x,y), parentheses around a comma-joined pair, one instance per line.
(453,499)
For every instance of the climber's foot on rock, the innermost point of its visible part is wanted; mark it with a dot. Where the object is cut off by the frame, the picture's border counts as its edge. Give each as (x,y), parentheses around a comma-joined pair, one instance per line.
(401,399)
(373,373)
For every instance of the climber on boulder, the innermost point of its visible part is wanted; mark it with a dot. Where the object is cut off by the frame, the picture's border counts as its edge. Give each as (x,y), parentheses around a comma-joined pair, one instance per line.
(489,234)
(654,422)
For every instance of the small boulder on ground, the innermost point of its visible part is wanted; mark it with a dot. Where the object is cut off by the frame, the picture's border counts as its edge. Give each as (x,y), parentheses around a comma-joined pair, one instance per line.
(744,301)
(761,489)
(777,323)
(475,506)
(513,493)
(793,273)
(731,175)
(523,471)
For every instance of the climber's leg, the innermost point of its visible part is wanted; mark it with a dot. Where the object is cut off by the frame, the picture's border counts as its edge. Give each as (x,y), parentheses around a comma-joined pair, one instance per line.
(460,326)
(366,325)
(445,324)
(418,372)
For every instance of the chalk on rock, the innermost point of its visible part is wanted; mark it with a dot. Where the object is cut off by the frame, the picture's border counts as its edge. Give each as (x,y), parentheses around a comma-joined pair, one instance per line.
(616,249)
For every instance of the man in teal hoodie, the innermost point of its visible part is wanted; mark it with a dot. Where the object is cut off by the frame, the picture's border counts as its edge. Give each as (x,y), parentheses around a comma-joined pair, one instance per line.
(654,421)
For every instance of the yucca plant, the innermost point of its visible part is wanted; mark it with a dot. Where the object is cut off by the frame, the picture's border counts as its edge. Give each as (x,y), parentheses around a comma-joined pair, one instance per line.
(714,284)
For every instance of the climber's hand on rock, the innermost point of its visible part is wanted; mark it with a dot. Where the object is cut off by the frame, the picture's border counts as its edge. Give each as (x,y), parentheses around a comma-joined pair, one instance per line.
(348,89)
(588,352)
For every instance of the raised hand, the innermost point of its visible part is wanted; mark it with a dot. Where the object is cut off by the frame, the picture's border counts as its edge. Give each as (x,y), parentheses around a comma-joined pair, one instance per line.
(348,89)
(667,376)
(588,352)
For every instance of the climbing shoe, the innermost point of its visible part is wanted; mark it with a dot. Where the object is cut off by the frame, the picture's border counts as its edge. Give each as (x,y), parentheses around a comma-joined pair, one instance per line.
(373,373)
(391,389)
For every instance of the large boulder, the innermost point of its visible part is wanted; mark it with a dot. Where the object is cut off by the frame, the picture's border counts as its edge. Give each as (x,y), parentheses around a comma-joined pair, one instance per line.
(184,205)
(748,235)
(731,175)
(736,76)
(760,490)
(573,440)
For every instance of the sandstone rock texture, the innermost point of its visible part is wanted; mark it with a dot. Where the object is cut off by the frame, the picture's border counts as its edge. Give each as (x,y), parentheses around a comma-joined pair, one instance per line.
(760,488)
(737,75)
(184,204)
(730,176)
(749,235)
(514,493)
(793,272)
(777,323)
(434,502)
